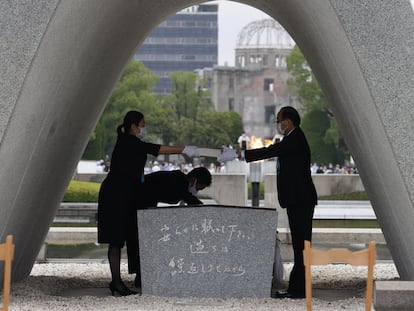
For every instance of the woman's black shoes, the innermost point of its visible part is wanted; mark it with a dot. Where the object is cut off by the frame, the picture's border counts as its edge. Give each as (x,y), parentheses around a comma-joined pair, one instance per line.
(280,294)
(119,288)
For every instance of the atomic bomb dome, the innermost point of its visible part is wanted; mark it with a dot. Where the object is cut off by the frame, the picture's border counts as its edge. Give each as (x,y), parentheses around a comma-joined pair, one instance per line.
(264,43)
(265,33)
(256,87)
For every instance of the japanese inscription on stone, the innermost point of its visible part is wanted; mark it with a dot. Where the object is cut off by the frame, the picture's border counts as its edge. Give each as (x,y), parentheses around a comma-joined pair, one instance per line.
(207,251)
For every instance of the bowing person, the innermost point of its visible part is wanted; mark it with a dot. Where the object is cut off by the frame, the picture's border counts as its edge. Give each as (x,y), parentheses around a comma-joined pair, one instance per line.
(169,187)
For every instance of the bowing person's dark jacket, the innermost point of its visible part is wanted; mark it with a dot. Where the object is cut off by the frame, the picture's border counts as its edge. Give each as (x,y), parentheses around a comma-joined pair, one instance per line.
(167,187)
(294,182)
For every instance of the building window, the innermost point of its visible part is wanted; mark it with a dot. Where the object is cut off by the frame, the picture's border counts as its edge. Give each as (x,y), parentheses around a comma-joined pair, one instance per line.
(231,104)
(231,84)
(241,61)
(280,61)
(283,62)
(255,59)
(270,114)
(188,57)
(265,60)
(268,85)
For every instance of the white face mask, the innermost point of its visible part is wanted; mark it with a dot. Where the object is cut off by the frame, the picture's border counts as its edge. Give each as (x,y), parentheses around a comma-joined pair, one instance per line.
(279,129)
(192,188)
(142,132)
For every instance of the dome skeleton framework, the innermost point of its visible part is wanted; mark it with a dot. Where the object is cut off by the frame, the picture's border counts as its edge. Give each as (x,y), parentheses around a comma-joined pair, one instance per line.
(265,33)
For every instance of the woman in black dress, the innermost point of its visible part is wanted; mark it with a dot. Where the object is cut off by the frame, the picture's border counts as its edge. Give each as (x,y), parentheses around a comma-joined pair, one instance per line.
(119,195)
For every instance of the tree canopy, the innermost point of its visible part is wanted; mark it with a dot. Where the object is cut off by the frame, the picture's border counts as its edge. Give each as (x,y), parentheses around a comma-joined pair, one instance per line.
(132,92)
(184,117)
(319,124)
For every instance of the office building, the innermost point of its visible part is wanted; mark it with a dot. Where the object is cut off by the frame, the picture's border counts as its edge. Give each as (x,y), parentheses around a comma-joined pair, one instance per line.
(185,41)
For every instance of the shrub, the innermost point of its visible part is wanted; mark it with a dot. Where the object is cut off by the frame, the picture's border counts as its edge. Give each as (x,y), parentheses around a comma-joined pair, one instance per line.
(82,191)
(250,193)
(352,196)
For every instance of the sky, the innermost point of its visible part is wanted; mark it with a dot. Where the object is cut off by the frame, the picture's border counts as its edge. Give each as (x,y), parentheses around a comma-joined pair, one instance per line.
(232,17)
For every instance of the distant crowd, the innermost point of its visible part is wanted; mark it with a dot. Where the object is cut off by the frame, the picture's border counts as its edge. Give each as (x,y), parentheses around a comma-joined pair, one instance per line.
(103,166)
(184,167)
(331,169)
(155,166)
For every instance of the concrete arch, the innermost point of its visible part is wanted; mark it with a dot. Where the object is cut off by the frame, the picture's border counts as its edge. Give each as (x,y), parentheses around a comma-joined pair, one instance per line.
(61,59)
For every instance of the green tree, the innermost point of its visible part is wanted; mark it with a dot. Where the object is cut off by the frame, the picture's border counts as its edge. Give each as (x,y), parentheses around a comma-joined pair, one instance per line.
(191,115)
(184,104)
(304,84)
(184,117)
(133,91)
(315,124)
(235,128)
(215,129)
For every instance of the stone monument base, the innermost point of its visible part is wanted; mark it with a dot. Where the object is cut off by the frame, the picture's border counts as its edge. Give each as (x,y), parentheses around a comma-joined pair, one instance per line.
(207,251)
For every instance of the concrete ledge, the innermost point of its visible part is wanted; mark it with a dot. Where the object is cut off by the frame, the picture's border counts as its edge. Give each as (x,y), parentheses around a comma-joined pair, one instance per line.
(67,235)
(333,236)
(72,235)
(394,295)
(338,235)
(319,235)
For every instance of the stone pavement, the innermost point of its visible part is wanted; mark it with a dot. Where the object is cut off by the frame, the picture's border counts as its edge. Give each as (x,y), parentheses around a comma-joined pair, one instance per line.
(326,294)
(82,285)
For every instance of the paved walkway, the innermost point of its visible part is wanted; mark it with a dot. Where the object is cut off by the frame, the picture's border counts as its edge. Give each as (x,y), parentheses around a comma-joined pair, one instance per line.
(83,286)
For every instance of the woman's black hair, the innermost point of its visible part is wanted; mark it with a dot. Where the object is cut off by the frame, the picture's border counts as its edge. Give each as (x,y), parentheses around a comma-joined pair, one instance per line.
(132,117)
(202,175)
(291,113)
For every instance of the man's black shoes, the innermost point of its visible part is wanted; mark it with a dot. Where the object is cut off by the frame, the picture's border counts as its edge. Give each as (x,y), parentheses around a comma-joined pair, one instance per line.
(280,294)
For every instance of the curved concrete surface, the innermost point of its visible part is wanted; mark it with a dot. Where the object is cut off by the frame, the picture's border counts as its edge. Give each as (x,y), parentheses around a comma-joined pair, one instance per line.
(61,59)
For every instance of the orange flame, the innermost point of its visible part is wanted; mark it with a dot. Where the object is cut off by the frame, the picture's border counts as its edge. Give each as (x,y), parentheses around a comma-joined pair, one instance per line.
(257,142)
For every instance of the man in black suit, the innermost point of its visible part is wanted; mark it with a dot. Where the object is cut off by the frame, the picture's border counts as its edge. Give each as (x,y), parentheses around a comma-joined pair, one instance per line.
(296,191)
(167,187)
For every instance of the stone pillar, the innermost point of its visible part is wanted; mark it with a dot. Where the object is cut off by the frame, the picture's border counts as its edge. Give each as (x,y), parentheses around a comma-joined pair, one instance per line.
(361,53)
(59,61)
